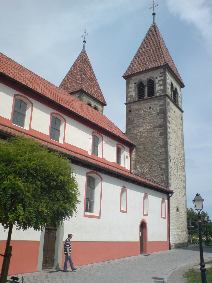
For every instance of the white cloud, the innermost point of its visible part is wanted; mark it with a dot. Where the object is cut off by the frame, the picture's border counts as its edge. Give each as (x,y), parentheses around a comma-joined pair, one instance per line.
(196,12)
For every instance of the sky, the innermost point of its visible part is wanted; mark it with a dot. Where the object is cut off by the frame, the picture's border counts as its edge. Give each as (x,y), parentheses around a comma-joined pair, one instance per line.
(45,36)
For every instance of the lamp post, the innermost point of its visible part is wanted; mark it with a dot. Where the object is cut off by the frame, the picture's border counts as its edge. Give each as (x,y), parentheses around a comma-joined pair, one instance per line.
(198,205)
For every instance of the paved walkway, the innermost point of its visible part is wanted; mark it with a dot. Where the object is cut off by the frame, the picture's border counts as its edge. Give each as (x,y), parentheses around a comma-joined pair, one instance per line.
(140,269)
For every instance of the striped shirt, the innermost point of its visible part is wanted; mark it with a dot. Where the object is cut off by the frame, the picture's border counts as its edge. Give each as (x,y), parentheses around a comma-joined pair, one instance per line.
(67,246)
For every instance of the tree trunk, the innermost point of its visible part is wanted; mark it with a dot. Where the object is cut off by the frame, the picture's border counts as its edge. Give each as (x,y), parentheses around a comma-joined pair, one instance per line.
(7,256)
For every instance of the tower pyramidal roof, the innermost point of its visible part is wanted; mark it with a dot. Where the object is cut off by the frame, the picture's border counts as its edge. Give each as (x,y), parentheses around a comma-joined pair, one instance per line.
(82,77)
(151,54)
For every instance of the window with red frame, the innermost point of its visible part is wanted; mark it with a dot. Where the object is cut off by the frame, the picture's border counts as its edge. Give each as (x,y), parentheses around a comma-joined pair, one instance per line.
(19,112)
(55,128)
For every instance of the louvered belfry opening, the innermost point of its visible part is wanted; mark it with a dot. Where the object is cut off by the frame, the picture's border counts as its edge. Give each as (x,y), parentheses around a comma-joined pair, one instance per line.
(150,88)
(141,90)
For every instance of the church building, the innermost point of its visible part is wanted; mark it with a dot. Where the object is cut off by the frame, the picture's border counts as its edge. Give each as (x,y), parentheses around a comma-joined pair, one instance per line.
(132,185)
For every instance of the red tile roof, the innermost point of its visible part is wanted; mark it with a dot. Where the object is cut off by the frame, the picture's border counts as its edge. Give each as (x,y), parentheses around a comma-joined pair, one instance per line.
(78,154)
(81,77)
(59,96)
(152,53)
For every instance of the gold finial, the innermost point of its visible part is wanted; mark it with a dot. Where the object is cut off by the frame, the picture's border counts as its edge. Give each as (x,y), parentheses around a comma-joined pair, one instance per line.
(85,34)
(154,5)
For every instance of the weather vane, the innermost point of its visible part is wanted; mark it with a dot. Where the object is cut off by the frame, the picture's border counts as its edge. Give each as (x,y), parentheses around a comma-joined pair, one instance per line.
(84,38)
(154,5)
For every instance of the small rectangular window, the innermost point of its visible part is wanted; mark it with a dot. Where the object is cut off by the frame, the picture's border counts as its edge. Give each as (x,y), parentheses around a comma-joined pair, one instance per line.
(95,145)
(90,194)
(19,112)
(118,155)
(163,208)
(55,128)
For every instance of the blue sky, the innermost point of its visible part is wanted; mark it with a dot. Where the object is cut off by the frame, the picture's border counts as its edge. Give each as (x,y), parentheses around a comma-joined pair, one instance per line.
(45,36)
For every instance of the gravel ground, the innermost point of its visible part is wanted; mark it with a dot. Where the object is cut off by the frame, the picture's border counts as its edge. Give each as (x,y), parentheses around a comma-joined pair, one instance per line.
(169,265)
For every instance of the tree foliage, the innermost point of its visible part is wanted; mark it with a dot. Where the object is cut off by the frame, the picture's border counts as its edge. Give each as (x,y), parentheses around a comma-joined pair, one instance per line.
(192,219)
(37,186)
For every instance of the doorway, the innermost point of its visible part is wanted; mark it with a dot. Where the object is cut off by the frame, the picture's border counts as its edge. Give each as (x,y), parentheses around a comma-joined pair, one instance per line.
(49,247)
(143,237)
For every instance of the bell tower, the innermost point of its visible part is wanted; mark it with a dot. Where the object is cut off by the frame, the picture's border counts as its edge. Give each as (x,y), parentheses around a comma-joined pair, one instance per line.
(154,122)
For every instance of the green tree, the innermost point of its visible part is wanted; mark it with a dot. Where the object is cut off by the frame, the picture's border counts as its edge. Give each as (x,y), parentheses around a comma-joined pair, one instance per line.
(37,189)
(192,219)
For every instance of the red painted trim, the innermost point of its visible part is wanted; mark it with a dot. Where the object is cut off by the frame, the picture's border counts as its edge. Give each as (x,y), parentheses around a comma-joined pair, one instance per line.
(163,202)
(88,252)
(145,197)
(24,256)
(25,99)
(87,214)
(99,135)
(56,114)
(123,190)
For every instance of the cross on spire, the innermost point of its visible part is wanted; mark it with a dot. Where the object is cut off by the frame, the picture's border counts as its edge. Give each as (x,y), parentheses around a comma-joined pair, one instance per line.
(154,5)
(85,34)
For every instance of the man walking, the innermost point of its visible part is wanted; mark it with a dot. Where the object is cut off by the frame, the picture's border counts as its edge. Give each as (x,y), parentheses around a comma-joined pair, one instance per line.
(67,252)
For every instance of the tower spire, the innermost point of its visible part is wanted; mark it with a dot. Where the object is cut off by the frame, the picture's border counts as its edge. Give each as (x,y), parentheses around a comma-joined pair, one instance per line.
(154,5)
(85,34)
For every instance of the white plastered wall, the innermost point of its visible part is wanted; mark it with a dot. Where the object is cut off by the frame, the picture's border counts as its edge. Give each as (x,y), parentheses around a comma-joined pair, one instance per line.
(76,133)
(113,224)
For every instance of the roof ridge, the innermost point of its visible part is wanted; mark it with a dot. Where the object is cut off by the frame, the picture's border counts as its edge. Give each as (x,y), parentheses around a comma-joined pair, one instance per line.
(19,73)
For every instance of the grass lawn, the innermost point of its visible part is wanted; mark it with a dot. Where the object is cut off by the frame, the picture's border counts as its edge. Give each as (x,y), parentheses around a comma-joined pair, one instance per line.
(194,276)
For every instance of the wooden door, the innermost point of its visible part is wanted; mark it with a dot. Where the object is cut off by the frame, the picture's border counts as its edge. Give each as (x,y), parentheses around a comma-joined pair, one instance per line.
(143,237)
(49,247)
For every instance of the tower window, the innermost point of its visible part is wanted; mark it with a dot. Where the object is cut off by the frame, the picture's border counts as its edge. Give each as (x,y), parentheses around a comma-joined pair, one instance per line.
(175,96)
(172,90)
(141,90)
(150,88)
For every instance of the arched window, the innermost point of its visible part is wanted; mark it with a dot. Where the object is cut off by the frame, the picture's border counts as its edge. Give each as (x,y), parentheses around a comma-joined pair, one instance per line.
(123,200)
(22,111)
(175,96)
(145,205)
(141,91)
(120,154)
(96,108)
(57,127)
(19,112)
(150,88)
(163,208)
(93,195)
(89,104)
(90,194)
(97,144)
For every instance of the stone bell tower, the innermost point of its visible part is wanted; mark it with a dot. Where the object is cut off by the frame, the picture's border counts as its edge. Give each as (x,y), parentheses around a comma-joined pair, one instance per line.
(154,122)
